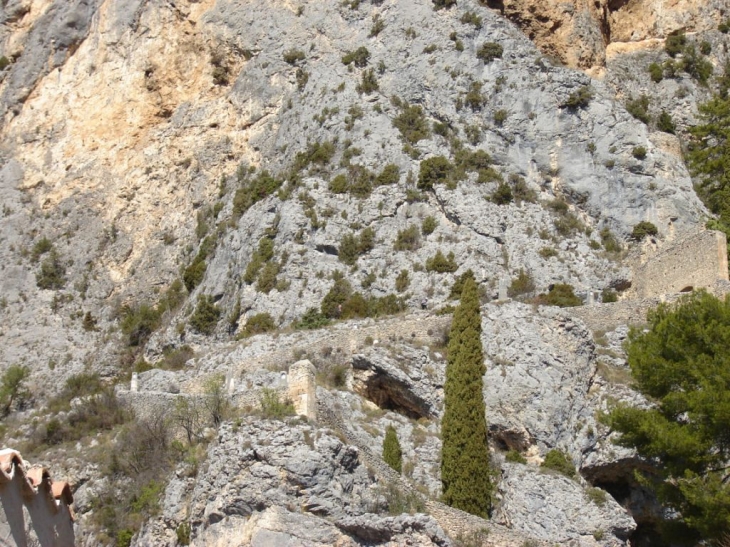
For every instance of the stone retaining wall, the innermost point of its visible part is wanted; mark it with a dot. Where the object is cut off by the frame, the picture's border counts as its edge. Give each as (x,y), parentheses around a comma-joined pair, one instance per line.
(695,262)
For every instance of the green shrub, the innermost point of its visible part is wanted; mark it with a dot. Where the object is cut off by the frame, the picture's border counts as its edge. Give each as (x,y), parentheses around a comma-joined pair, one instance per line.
(183,533)
(13,389)
(389,175)
(402,281)
(489,51)
(428,225)
(392,454)
(293,56)
(52,273)
(471,18)
(139,322)
(252,191)
(408,239)
(352,247)
(4,62)
(339,185)
(262,255)
(206,315)
(500,116)
(548,252)
(610,243)
(674,44)
(639,108)
(560,462)
(568,224)
(656,72)
(642,230)
(665,123)
(522,284)
(458,285)
(514,456)
(193,275)
(474,98)
(433,171)
(639,152)
(441,4)
(520,190)
(441,264)
(724,27)
(580,98)
(368,82)
(312,319)
(358,57)
(41,247)
(502,195)
(608,296)
(267,280)
(412,124)
(561,295)
(335,298)
(377,28)
(302,77)
(273,407)
(259,323)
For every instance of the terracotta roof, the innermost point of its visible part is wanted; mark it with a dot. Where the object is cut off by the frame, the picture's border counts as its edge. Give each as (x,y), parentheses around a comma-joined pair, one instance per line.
(37,480)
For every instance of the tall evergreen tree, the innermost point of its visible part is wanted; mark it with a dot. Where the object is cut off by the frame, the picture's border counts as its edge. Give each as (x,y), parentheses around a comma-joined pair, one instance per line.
(392,453)
(465,473)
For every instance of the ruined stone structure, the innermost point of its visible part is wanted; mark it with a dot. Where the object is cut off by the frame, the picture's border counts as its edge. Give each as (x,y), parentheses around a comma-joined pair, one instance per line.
(696,262)
(303,388)
(35,509)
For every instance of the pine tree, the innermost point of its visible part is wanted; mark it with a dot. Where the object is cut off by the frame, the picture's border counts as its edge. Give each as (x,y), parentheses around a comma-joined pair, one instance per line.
(392,454)
(465,471)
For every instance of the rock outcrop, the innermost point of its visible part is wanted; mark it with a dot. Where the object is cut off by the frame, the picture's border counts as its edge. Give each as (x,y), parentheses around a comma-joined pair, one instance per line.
(579,33)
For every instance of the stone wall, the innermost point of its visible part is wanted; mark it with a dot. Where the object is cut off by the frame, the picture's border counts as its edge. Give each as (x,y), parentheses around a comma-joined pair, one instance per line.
(697,261)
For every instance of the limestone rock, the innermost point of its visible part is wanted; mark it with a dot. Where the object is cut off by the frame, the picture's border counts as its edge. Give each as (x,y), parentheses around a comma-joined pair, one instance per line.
(396,383)
(555,508)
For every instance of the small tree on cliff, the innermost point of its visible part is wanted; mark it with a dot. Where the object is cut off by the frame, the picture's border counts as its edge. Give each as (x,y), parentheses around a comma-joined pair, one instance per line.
(392,454)
(465,471)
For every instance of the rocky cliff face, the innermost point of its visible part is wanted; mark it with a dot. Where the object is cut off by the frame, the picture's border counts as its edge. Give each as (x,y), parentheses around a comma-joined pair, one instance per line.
(584,34)
(134,135)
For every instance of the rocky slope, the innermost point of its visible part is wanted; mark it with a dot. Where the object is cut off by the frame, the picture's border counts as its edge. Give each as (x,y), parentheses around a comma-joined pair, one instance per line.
(134,133)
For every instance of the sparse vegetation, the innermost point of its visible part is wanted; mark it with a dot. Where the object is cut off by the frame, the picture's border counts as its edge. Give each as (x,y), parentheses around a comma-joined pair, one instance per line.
(580,98)
(293,56)
(408,239)
(561,295)
(428,225)
(206,315)
(259,323)
(639,152)
(489,51)
(358,57)
(441,264)
(559,461)
(642,230)
(522,284)
(412,124)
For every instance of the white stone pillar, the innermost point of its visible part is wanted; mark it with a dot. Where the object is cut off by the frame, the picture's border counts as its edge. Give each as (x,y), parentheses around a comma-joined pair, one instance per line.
(303,388)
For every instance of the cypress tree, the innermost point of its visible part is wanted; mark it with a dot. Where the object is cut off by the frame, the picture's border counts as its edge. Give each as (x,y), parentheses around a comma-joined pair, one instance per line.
(392,453)
(465,472)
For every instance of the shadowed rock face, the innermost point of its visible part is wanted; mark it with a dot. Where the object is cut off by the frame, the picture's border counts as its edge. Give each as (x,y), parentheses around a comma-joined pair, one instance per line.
(379,379)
